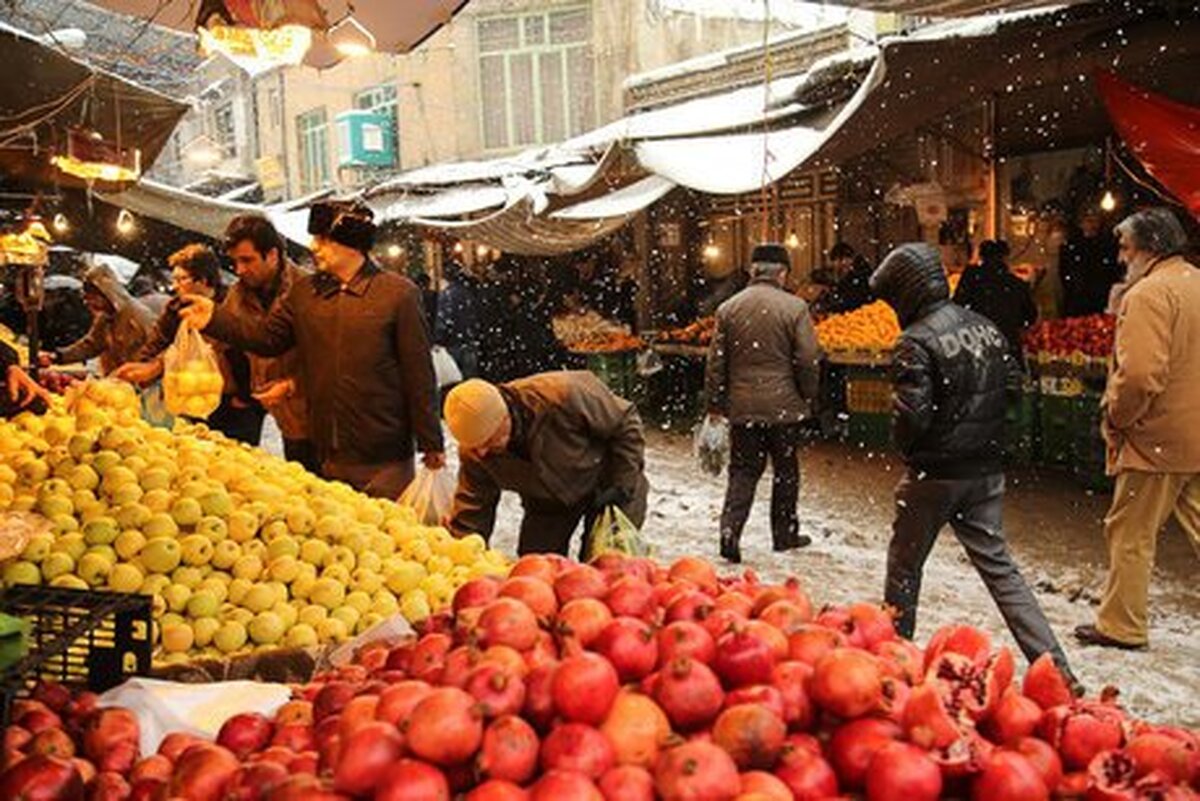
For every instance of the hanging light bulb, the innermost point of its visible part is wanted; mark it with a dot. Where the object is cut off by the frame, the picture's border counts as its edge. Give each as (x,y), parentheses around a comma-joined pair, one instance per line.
(793,241)
(351,39)
(393,251)
(1109,201)
(61,223)
(125,223)
(711,252)
(482,251)
(458,247)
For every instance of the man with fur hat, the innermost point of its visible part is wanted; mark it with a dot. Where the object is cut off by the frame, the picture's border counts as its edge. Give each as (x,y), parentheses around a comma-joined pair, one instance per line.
(562,441)
(950,369)
(364,355)
(762,374)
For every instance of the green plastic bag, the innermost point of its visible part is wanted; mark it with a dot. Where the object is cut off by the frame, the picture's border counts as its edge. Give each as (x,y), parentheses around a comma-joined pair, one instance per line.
(613,532)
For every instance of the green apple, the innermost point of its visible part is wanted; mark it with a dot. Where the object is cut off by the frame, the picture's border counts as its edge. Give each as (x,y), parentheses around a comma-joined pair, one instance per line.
(188,576)
(94,569)
(203,603)
(230,637)
(266,628)
(243,525)
(216,503)
(154,478)
(259,598)
(159,501)
(125,578)
(186,511)
(197,549)
(225,554)
(101,530)
(133,515)
(284,568)
(314,552)
(160,526)
(206,629)
(301,636)
(161,555)
(129,544)
(212,527)
(72,544)
(248,567)
(21,572)
(177,597)
(328,592)
(38,547)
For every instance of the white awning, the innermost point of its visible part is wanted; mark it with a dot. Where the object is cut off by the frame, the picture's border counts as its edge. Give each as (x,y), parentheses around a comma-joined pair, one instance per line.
(621,203)
(449,203)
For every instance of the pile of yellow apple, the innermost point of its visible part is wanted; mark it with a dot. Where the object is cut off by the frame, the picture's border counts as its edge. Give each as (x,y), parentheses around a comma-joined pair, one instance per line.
(193,389)
(239,549)
(872,327)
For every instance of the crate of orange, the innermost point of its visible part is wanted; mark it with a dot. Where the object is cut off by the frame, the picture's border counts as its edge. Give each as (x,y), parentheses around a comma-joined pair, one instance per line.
(865,336)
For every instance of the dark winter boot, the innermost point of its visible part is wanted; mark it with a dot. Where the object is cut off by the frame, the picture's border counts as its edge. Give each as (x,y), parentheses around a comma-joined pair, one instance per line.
(729,548)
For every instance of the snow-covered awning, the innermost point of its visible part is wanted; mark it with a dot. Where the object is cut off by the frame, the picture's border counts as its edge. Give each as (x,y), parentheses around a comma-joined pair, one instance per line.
(623,202)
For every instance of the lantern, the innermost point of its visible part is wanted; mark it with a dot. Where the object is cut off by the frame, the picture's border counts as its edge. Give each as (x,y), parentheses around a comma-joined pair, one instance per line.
(91,157)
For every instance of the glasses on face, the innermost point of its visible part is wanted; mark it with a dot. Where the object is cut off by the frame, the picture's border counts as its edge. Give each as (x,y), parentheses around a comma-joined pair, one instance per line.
(182,279)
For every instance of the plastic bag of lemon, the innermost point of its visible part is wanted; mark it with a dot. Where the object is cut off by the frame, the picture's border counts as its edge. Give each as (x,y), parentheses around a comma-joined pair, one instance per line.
(240,550)
(192,380)
(871,327)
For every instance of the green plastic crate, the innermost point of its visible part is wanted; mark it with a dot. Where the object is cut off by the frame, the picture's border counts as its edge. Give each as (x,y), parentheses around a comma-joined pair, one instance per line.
(1021,439)
(870,430)
(618,372)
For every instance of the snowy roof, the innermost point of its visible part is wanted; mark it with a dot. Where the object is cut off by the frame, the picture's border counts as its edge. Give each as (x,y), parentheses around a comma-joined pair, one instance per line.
(783,12)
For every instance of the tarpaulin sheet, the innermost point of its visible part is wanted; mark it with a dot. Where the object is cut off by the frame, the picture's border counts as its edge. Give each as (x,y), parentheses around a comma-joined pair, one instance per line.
(1162,134)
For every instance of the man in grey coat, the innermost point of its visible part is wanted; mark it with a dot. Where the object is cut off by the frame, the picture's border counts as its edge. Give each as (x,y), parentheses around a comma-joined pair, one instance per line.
(763,369)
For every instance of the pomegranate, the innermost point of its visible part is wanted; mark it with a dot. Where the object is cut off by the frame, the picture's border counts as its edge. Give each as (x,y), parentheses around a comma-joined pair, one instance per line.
(396,702)
(791,679)
(966,641)
(175,743)
(246,734)
(790,590)
(1111,776)
(875,624)
(51,742)
(203,773)
(148,790)
(155,766)
(506,621)
(630,645)
(766,785)
(41,778)
(901,659)
(294,713)
(578,748)
(509,750)
(411,780)
(766,695)
(562,785)
(539,696)
(336,694)
(497,690)
(583,619)
(585,687)
(927,720)
(1081,731)
(631,597)
(253,782)
(366,754)
(846,682)
(685,638)
(458,665)
(445,728)
(637,728)
(110,740)
(1009,776)
(689,693)
(358,712)
(785,615)
(475,593)
(109,787)
(697,571)
(738,603)
(973,688)
(750,733)
(497,790)
(696,771)
(1043,758)
(581,581)
(39,719)
(538,595)
(809,643)
(696,605)
(855,743)
(903,772)
(1045,684)
(1177,759)
(536,565)
(1013,718)
(627,783)
(807,775)
(743,659)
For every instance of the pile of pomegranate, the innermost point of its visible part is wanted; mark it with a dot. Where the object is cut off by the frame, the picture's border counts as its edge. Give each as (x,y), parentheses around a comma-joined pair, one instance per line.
(628,681)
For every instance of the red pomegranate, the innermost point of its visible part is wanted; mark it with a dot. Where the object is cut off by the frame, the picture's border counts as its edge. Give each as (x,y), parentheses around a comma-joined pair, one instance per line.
(846,682)
(583,620)
(497,790)
(689,693)
(631,597)
(791,679)
(109,787)
(696,771)
(445,728)
(1176,758)
(509,750)
(426,663)
(807,775)
(537,565)
(855,743)
(203,773)
(901,659)
(1009,776)
(539,706)
(366,755)
(42,778)
(685,638)
(697,571)
(1043,757)
(765,785)
(581,581)
(972,687)
(766,695)
(498,691)
(750,733)
(253,782)
(397,701)
(637,728)
(538,595)
(111,739)
(903,772)
(458,665)
(966,641)
(245,734)
(475,593)
(578,748)
(585,687)
(743,659)
(411,780)
(874,624)
(786,615)
(1111,776)
(507,621)
(928,721)
(1013,718)
(51,742)
(1045,684)
(630,645)
(694,605)
(809,643)
(1081,731)
(627,783)
(562,785)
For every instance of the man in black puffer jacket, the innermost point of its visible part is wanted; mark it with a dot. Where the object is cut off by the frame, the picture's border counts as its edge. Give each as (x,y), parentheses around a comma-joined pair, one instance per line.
(950,370)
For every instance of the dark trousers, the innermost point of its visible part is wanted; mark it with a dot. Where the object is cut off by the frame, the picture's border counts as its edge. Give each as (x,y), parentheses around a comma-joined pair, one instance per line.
(973,508)
(241,423)
(750,446)
(304,452)
(548,527)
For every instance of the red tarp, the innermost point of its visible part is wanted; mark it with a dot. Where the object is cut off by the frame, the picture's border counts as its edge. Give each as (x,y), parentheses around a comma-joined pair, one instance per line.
(1163,134)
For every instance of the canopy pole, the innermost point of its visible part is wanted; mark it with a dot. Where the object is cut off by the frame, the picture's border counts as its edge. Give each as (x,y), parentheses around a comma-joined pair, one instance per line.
(992,223)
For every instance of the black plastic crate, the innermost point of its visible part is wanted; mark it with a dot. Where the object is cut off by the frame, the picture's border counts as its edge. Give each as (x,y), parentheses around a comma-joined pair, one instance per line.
(80,638)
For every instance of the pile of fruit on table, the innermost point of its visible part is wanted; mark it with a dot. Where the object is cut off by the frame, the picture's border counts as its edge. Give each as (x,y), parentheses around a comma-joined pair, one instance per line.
(589,332)
(698,333)
(1088,337)
(239,549)
(873,327)
(629,681)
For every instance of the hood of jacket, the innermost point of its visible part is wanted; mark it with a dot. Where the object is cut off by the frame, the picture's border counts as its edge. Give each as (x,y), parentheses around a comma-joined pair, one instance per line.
(107,283)
(911,280)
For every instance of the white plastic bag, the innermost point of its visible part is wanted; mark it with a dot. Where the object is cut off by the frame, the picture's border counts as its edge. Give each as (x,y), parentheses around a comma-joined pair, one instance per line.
(711,444)
(430,495)
(445,368)
(192,380)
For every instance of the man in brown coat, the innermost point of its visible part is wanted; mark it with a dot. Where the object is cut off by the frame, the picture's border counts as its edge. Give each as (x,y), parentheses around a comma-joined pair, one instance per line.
(364,355)
(120,323)
(562,441)
(1151,420)
(763,370)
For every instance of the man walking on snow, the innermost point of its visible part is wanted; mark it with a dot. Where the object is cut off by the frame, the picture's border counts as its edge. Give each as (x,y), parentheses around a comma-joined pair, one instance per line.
(763,370)
(950,369)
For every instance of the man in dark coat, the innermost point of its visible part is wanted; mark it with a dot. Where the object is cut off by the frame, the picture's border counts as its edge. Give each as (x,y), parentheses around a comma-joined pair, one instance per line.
(991,289)
(562,441)
(950,369)
(852,290)
(364,355)
(762,374)
(120,323)
(457,326)
(1088,266)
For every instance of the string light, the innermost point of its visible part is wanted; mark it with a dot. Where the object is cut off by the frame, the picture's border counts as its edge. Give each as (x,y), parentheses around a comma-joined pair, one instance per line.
(1109,201)
(458,248)
(125,223)
(61,223)
(793,241)
(711,252)
(394,251)
(481,251)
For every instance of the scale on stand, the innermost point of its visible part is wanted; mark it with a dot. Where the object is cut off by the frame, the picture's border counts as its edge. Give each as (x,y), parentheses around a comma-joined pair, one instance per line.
(29,252)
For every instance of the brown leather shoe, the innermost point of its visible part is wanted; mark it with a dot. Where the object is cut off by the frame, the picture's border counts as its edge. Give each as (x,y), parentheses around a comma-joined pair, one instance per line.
(1090,635)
